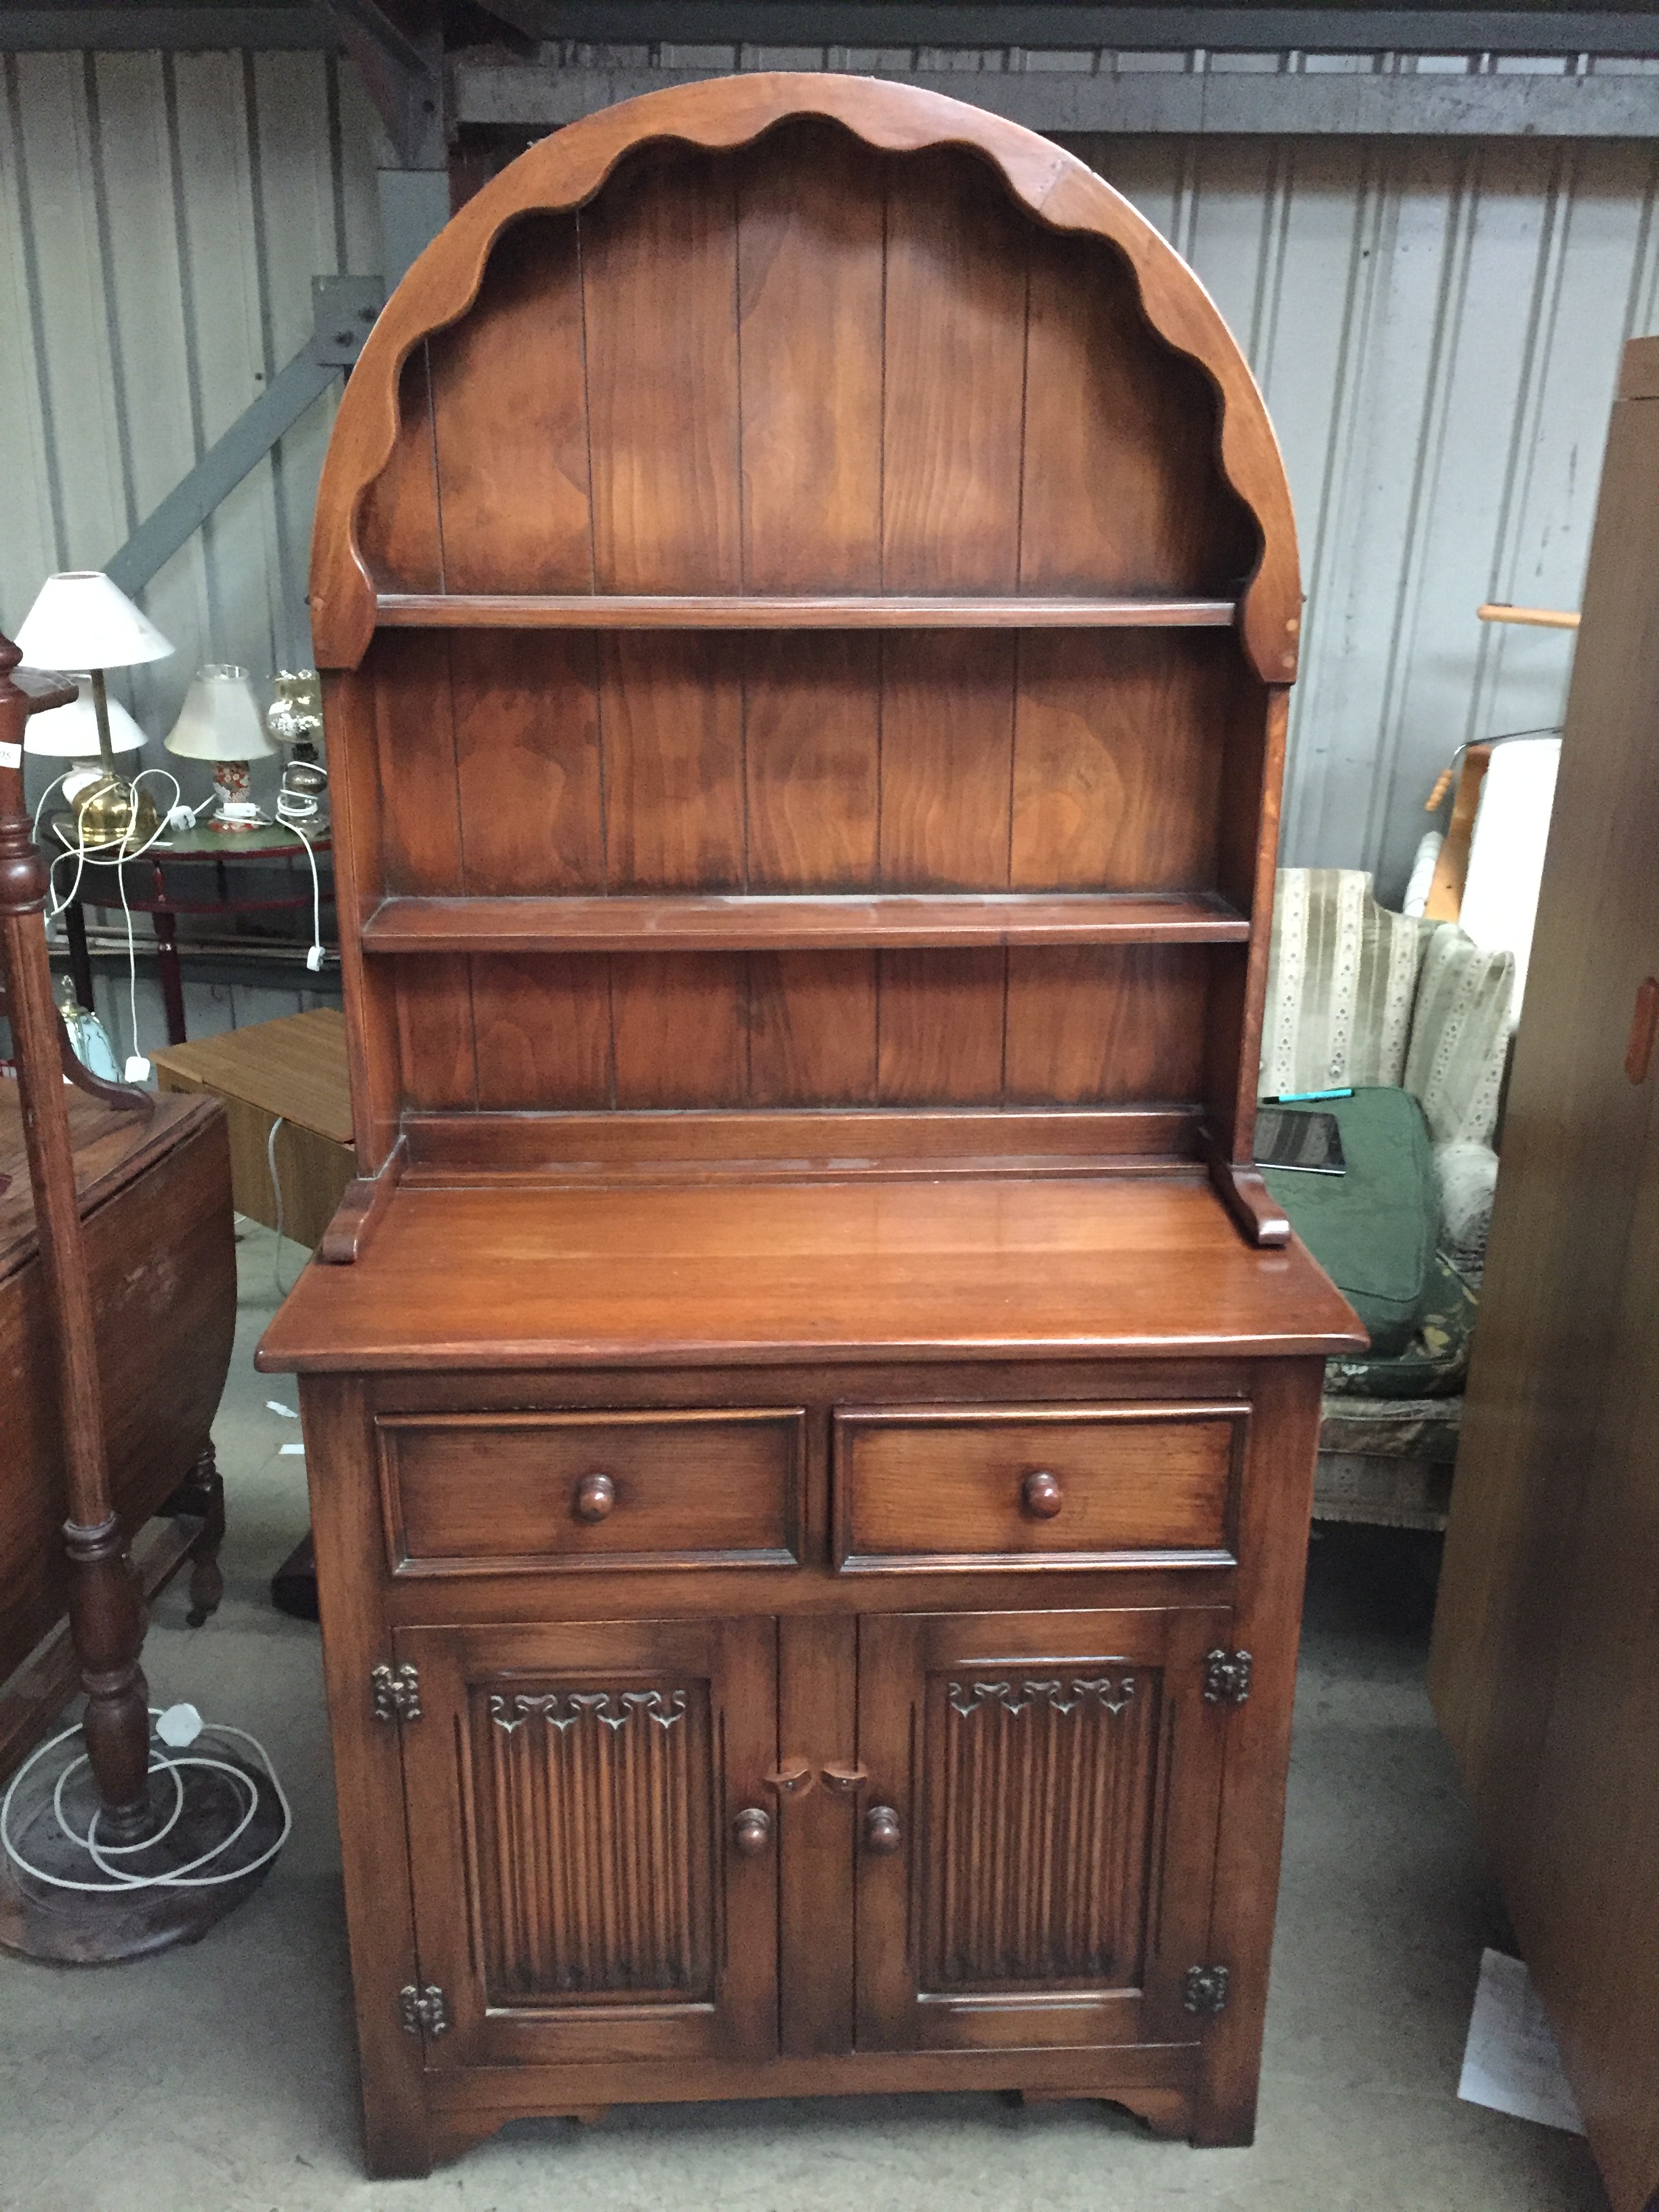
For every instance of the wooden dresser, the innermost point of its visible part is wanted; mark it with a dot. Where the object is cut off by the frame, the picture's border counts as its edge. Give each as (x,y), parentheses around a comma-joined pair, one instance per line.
(810,1413)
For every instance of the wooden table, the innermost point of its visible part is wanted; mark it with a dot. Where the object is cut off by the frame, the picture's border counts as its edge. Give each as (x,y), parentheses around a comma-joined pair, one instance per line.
(154,897)
(293,1071)
(155,1199)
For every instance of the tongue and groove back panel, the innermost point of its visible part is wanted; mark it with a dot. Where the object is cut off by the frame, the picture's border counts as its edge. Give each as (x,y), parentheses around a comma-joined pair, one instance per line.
(804,366)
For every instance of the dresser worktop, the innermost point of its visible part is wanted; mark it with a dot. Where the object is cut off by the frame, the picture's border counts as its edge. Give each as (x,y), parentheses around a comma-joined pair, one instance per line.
(511,1276)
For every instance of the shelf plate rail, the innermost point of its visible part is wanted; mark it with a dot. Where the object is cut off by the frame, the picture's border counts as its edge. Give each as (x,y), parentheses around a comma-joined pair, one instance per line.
(771,922)
(621,611)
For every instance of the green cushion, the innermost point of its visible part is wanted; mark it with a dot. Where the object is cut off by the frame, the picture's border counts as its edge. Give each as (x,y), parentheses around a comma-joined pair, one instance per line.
(1372,1230)
(1434,1365)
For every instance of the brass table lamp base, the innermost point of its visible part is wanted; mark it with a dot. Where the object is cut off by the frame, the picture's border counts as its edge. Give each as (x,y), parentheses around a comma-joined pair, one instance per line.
(112,813)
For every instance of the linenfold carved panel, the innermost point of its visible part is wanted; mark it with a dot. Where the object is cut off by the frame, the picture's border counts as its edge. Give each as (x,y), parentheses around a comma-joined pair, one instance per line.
(594,1825)
(562,1709)
(1040,1795)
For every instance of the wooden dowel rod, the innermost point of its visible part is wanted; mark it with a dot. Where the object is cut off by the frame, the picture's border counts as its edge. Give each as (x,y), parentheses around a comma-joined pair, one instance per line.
(1530,617)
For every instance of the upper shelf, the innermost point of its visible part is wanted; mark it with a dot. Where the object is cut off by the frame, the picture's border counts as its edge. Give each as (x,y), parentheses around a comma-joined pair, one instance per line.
(643,611)
(711,922)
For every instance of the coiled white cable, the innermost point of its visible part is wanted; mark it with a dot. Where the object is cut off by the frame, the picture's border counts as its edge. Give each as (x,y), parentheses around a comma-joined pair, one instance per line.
(118,1879)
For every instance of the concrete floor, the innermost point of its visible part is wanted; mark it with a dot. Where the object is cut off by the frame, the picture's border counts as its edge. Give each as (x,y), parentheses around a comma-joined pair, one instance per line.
(223,2079)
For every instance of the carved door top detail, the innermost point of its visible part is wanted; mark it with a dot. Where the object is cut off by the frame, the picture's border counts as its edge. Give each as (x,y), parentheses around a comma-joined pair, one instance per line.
(563,1709)
(1060,1694)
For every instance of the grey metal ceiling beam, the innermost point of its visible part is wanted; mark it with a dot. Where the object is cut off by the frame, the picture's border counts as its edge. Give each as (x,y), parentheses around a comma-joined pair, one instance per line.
(165,30)
(1192,103)
(403,72)
(945,23)
(384,34)
(874,23)
(524,18)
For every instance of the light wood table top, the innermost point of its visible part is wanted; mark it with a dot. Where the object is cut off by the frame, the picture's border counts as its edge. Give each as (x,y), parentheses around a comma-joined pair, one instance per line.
(294,1067)
(637,1274)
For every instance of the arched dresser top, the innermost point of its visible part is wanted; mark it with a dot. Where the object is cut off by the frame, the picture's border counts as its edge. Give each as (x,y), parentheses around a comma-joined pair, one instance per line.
(567,170)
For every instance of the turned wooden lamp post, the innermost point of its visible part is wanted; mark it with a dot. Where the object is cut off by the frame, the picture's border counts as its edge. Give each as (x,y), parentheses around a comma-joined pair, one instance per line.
(56,1901)
(106,1620)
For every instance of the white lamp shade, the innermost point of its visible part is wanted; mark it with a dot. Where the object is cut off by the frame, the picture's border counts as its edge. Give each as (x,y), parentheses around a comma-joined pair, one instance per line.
(81,620)
(220,719)
(71,731)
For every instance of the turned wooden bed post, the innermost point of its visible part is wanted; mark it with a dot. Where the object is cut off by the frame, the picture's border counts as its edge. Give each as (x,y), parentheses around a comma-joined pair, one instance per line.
(106,1620)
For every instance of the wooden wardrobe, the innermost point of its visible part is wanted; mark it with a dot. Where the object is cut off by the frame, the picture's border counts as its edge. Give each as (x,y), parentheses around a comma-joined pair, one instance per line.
(810,1413)
(1546,1637)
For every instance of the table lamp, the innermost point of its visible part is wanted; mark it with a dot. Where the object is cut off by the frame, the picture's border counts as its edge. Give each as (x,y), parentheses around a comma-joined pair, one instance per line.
(81,620)
(71,733)
(294,718)
(220,721)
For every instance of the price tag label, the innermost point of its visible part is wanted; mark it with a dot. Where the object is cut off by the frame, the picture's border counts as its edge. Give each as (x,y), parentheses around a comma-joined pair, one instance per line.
(11,757)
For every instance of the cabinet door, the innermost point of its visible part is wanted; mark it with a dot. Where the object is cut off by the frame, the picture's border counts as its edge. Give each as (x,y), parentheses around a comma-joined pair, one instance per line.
(1038,1827)
(584,1886)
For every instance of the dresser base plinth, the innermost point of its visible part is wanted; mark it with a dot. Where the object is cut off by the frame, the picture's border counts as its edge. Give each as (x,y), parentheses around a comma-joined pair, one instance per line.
(1157,2084)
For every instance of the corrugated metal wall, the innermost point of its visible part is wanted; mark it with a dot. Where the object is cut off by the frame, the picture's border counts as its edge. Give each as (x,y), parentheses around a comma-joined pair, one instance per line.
(1437,326)
(161,220)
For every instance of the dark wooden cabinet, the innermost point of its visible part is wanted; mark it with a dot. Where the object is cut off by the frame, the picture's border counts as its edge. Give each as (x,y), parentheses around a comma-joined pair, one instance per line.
(810,1411)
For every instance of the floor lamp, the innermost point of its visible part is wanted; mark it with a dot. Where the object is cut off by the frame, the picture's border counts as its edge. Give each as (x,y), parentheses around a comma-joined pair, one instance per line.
(46,1916)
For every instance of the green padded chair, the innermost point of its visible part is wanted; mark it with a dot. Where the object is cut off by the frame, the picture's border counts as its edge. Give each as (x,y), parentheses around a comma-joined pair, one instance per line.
(1415,1018)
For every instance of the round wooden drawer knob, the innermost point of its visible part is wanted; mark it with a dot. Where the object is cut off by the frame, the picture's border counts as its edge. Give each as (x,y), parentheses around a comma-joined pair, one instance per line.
(882,1834)
(1042,1496)
(596,1494)
(751,1832)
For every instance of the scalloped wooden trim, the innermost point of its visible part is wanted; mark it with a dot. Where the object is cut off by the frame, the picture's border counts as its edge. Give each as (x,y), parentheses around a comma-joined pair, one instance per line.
(567,169)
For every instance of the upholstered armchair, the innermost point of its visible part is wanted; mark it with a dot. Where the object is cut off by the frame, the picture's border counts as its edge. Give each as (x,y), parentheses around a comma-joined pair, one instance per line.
(1361,997)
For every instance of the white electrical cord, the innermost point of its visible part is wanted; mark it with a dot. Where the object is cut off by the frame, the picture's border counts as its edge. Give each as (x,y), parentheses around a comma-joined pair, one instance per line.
(314,957)
(188,1876)
(113,851)
(137,1056)
(282,1288)
(110,854)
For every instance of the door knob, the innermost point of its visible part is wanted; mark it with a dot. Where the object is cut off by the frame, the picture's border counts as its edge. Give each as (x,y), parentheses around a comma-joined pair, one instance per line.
(882,1833)
(1040,1495)
(595,1496)
(751,1832)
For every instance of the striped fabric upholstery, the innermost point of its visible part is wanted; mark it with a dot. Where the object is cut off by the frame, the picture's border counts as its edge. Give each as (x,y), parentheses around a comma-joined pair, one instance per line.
(1459,1037)
(1358,995)
(1341,976)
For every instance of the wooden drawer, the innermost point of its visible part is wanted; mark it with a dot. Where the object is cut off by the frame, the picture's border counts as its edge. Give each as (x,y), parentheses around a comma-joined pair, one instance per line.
(525,1493)
(1035,1486)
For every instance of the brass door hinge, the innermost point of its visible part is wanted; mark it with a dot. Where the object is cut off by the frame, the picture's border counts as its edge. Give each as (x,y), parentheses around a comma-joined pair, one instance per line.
(423,2011)
(1226,1677)
(1204,1989)
(396,1692)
